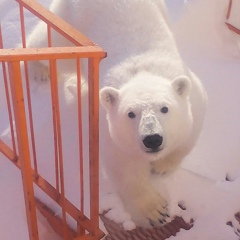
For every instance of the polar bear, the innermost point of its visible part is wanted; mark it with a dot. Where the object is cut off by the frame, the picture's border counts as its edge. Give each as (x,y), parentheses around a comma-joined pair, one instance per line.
(152,105)
(153,122)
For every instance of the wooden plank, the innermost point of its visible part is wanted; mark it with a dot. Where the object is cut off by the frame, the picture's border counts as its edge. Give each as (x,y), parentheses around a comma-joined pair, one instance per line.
(93,92)
(7,152)
(23,143)
(24,54)
(232,28)
(229,9)
(55,222)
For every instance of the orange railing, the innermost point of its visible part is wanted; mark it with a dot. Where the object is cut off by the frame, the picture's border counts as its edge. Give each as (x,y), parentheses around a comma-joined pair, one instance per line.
(22,150)
(230,26)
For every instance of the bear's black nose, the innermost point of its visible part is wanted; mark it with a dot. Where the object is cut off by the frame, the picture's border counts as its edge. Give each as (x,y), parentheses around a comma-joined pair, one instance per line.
(153,141)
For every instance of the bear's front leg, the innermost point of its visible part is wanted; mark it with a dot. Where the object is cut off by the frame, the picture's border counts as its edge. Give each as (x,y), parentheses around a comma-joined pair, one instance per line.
(141,200)
(38,71)
(148,208)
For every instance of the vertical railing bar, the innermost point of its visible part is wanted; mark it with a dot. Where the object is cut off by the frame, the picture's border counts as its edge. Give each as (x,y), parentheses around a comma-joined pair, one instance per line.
(23,146)
(10,115)
(49,36)
(56,113)
(229,9)
(30,115)
(56,156)
(1,37)
(8,97)
(22,22)
(81,230)
(93,90)
(29,101)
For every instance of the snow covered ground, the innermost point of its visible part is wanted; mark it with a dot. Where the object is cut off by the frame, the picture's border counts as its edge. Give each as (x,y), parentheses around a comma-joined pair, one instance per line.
(213,53)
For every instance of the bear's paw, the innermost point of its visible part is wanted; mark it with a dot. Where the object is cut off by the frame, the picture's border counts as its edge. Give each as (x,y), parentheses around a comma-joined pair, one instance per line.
(39,72)
(149,211)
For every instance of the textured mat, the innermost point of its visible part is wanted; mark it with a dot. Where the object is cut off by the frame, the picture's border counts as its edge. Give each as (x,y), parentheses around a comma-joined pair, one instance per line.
(116,231)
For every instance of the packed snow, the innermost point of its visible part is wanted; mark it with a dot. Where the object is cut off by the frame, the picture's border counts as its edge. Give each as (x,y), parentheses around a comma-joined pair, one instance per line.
(207,184)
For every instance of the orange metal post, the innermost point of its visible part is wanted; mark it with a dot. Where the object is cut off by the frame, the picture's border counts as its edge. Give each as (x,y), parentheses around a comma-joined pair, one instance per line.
(93,73)
(81,230)
(22,22)
(7,95)
(229,9)
(23,146)
(28,54)
(58,138)
(230,26)
(55,132)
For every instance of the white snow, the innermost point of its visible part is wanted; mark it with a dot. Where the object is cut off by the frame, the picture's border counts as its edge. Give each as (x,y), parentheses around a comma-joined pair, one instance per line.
(213,52)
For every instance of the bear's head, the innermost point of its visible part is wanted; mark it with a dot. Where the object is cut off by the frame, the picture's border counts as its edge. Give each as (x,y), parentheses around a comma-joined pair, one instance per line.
(149,116)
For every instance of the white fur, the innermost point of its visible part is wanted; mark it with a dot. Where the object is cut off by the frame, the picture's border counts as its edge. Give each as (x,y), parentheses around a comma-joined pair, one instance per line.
(142,74)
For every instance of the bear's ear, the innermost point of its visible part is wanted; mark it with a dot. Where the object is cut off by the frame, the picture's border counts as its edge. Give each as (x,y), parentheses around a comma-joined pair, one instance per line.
(108,96)
(182,85)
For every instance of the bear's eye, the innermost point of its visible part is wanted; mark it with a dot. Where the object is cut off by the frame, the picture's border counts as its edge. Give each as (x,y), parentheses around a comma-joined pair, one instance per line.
(164,109)
(131,115)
